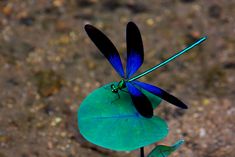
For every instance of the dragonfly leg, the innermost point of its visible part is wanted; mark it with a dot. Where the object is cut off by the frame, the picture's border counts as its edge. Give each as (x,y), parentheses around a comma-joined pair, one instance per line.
(124,91)
(116,98)
(119,94)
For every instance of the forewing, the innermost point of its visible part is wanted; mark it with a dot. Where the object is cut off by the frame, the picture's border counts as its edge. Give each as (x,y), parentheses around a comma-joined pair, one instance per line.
(161,93)
(135,50)
(141,102)
(106,47)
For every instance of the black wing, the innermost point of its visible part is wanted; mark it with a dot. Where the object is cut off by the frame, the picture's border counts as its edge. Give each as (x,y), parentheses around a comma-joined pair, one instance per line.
(106,47)
(135,50)
(141,102)
(161,93)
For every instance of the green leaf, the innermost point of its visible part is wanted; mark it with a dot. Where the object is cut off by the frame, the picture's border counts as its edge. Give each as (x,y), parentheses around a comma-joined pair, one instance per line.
(112,122)
(164,151)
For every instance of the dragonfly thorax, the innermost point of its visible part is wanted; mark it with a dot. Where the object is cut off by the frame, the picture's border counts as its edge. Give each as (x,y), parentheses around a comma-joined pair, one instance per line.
(119,86)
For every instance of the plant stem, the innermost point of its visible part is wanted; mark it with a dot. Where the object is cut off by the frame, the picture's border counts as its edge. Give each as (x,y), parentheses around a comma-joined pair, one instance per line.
(142,152)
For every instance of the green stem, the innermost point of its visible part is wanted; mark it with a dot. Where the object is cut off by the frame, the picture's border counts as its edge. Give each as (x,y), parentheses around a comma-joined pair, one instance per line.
(142,152)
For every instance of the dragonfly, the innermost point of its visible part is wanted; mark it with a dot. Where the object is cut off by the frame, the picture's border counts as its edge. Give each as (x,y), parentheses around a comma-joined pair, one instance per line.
(135,58)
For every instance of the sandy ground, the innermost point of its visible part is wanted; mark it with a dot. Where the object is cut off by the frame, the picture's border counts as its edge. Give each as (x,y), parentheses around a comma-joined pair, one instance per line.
(48,65)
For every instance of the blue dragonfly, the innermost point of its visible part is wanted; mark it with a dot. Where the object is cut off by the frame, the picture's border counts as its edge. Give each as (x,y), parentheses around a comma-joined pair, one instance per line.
(135,58)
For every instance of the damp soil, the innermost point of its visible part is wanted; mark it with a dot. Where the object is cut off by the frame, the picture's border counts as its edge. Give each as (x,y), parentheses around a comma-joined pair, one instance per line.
(48,65)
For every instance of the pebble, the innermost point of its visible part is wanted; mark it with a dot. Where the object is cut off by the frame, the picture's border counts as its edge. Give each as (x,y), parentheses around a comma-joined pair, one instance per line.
(63,40)
(4,139)
(56,121)
(202,132)
(50,145)
(27,21)
(61,25)
(8,9)
(215,11)
(63,134)
(137,7)
(187,1)
(58,3)
(150,22)
(195,115)
(111,5)
(206,101)
(86,3)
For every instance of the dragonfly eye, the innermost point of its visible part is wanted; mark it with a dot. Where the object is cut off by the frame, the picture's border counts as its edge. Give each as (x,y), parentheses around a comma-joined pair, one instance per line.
(114,90)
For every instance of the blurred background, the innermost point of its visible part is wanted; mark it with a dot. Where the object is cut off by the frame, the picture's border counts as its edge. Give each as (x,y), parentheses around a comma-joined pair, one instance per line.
(48,65)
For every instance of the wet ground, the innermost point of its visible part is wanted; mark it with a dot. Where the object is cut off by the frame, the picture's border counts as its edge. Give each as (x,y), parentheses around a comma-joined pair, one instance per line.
(48,65)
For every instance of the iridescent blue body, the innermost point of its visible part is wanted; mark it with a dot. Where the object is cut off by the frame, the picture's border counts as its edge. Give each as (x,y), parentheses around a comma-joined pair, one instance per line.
(135,57)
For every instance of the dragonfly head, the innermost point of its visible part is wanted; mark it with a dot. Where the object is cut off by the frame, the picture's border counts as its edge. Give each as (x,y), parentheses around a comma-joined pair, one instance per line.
(114,88)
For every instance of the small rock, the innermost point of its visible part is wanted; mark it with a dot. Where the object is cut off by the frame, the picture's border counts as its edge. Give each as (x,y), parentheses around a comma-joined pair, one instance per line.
(137,7)
(206,101)
(215,11)
(4,139)
(8,9)
(86,3)
(48,109)
(50,145)
(150,22)
(48,82)
(27,21)
(111,5)
(63,134)
(202,132)
(229,65)
(187,1)
(58,3)
(56,121)
(62,26)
